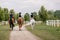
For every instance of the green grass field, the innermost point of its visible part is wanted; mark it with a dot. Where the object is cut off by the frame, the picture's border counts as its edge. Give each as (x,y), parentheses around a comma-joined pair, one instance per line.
(46,32)
(4,32)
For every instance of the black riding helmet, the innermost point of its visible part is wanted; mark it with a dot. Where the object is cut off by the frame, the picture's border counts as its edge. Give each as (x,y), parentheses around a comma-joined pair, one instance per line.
(19,14)
(31,15)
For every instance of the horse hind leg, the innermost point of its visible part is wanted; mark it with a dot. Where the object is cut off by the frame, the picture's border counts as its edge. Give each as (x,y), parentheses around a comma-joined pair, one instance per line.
(32,26)
(20,27)
(12,26)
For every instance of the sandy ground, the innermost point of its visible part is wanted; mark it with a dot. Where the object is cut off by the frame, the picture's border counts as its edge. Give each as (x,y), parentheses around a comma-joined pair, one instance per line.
(22,35)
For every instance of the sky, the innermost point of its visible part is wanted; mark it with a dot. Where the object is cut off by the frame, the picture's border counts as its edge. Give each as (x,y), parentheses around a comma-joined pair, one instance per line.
(30,5)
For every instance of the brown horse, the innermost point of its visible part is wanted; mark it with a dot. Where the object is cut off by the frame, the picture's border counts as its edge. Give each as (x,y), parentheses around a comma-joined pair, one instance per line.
(11,22)
(20,22)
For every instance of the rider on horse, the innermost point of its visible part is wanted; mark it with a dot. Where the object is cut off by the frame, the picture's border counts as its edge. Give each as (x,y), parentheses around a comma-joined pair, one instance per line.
(32,21)
(20,21)
(11,21)
(11,15)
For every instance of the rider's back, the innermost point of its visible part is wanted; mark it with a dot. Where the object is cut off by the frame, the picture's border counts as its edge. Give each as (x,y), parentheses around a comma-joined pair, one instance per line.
(11,15)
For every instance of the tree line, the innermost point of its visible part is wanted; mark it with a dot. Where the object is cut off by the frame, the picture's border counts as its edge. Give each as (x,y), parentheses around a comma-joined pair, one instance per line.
(5,14)
(42,15)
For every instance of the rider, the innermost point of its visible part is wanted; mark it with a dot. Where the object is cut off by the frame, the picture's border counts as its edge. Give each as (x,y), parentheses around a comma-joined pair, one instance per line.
(20,14)
(20,21)
(31,15)
(32,21)
(11,15)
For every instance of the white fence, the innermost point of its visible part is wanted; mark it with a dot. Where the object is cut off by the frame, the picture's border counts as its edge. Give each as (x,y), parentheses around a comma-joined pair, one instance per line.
(53,22)
(3,22)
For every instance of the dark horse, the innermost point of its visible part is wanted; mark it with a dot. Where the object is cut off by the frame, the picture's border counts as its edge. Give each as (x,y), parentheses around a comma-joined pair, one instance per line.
(11,22)
(20,22)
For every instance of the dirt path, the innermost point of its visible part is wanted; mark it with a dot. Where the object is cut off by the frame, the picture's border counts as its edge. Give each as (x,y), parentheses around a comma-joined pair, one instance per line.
(22,35)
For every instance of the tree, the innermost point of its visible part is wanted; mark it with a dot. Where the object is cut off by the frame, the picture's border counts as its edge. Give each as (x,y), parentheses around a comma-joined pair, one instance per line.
(16,16)
(12,11)
(43,14)
(0,14)
(26,17)
(6,14)
(46,15)
(57,14)
(51,15)
(37,18)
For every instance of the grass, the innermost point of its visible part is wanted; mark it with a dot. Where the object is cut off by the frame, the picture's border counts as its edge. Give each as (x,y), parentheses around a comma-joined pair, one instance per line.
(45,32)
(4,32)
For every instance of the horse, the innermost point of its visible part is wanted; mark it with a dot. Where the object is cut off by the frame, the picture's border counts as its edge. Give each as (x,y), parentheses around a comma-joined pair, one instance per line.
(11,22)
(32,23)
(20,22)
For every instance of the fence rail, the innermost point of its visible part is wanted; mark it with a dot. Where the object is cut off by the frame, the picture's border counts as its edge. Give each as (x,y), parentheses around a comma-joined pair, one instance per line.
(53,23)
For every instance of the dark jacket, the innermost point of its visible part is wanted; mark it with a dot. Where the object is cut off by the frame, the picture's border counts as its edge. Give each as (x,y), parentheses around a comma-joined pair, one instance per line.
(11,15)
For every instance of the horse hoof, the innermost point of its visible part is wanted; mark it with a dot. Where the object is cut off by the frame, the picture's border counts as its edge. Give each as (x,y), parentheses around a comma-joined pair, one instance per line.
(11,29)
(19,29)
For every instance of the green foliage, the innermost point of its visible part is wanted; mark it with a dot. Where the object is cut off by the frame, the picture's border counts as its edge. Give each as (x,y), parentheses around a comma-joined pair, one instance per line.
(16,16)
(4,14)
(1,15)
(45,32)
(57,14)
(5,10)
(26,17)
(51,15)
(4,32)
(47,15)
(37,18)
(12,11)
(43,14)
